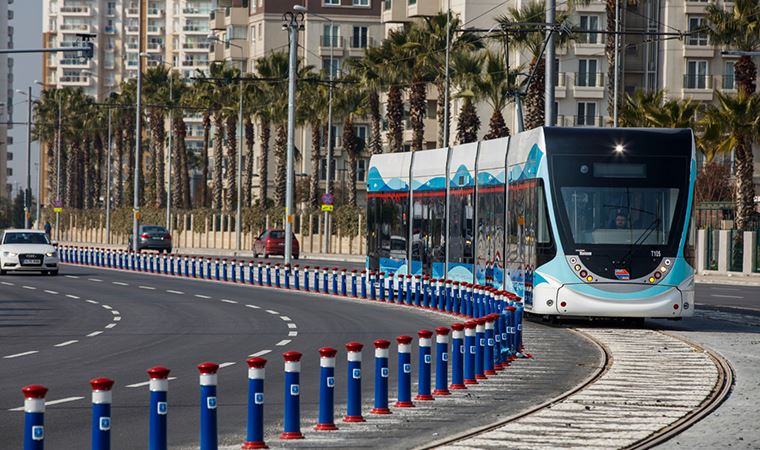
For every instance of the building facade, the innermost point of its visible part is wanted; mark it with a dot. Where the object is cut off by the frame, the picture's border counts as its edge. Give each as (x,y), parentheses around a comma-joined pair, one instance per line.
(6,95)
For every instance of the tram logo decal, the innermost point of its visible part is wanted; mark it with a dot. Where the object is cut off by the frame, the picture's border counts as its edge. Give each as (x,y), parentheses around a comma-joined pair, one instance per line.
(622,274)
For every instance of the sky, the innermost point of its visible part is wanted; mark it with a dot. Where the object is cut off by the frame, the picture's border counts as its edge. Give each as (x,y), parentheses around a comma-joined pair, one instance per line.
(27,33)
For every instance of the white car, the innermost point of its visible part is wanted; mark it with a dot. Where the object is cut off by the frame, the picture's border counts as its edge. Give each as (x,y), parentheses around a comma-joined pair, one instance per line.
(27,251)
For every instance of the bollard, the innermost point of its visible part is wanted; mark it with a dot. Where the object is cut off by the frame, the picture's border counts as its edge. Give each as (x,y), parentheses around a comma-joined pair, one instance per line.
(353,282)
(442,361)
(457,357)
(269,274)
(34,416)
(325,284)
(255,435)
(371,286)
(217,270)
(354,377)
(446,301)
(315,286)
(363,285)
(209,268)
(471,350)
(292,422)
(382,286)
(497,347)
(468,300)
(306,278)
(343,283)
(260,273)
(326,420)
(435,291)
(159,385)
(391,289)
(488,368)
(511,332)
(480,344)
(408,287)
(287,276)
(101,413)
(250,273)
(404,372)
(424,362)
(296,278)
(381,377)
(233,271)
(518,321)
(186,266)
(425,291)
(208,380)
(277,275)
(417,289)
(335,281)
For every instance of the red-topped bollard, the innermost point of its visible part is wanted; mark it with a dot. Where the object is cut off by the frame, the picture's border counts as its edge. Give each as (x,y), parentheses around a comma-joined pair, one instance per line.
(442,361)
(34,416)
(381,377)
(101,413)
(425,360)
(292,425)
(326,420)
(208,380)
(255,435)
(404,391)
(354,402)
(159,407)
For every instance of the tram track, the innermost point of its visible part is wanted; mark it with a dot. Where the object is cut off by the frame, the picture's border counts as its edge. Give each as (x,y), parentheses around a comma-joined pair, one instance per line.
(650,387)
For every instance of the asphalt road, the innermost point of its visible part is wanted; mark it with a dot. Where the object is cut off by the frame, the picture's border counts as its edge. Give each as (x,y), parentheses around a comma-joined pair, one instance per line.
(728,296)
(63,331)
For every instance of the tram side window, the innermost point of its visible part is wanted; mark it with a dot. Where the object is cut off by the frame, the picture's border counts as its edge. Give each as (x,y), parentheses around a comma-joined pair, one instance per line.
(529,238)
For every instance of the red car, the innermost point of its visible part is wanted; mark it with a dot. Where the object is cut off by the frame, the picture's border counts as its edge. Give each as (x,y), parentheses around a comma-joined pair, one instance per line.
(272,242)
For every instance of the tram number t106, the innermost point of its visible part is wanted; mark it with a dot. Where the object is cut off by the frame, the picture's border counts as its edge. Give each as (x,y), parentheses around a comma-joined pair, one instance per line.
(656,253)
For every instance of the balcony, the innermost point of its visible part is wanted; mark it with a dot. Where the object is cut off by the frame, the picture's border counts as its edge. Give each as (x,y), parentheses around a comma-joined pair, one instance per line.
(155,46)
(697,86)
(133,29)
(131,63)
(592,6)
(75,10)
(153,29)
(196,29)
(589,84)
(589,44)
(75,28)
(334,44)
(195,46)
(195,63)
(588,121)
(216,19)
(74,62)
(698,48)
(357,44)
(109,29)
(196,10)
(421,8)
(133,11)
(155,12)
(75,80)
(560,87)
(394,11)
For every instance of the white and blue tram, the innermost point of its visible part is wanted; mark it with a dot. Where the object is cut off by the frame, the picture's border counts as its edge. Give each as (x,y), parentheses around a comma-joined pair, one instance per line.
(576,221)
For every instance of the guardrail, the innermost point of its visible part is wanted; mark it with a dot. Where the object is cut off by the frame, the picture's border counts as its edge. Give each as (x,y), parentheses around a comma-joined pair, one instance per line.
(492,338)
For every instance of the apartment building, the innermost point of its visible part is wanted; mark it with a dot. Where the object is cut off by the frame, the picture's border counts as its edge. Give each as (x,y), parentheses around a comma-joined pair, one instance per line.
(333,32)
(6,94)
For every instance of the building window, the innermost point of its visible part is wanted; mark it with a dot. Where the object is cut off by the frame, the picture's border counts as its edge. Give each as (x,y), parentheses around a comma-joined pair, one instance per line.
(361,3)
(361,170)
(587,73)
(411,2)
(589,23)
(729,77)
(360,37)
(334,70)
(556,72)
(387,5)
(361,132)
(331,35)
(9,156)
(586,114)
(323,169)
(697,28)
(332,2)
(696,75)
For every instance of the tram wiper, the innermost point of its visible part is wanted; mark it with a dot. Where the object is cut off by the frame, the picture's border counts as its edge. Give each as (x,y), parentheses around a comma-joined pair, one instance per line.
(636,245)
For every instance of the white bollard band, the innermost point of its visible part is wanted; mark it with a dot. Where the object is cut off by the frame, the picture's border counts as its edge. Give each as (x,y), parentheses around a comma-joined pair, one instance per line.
(292,366)
(256,373)
(326,361)
(34,405)
(355,356)
(442,339)
(425,342)
(101,397)
(457,334)
(159,385)
(404,348)
(208,379)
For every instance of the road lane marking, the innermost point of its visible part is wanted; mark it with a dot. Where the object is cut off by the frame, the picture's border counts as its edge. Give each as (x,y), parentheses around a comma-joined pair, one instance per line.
(51,292)
(117,318)
(119,283)
(253,306)
(6,283)
(283,342)
(726,296)
(202,296)
(106,307)
(259,353)
(95,280)
(226,364)
(292,333)
(111,325)
(228,301)
(52,402)
(292,325)
(174,292)
(150,288)
(72,276)
(64,344)
(29,287)
(72,296)
(18,355)
(115,312)
(273,312)
(94,333)
(145,383)
(285,318)
(90,301)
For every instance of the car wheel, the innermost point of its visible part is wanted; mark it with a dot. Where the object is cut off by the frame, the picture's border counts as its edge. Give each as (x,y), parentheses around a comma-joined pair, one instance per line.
(295,256)
(266,255)
(53,273)
(2,272)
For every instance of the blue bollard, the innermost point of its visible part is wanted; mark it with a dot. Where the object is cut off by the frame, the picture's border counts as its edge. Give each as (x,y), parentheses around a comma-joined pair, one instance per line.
(287,276)
(456,291)
(354,377)
(417,290)
(469,299)
(488,368)
(480,343)
(391,287)
(510,320)
(471,350)
(435,291)
(193,267)
(296,278)
(260,273)
(255,434)
(343,286)
(409,287)
(224,269)
(315,285)
(209,268)
(335,281)
(404,391)
(250,272)
(446,303)
(381,284)
(292,413)
(277,275)
(424,365)
(325,284)
(268,269)
(326,420)
(457,357)
(151,263)
(159,385)
(497,347)
(208,380)
(101,413)
(217,270)
(34,416)
(425,291)
(518,331)
(441,361)
(381,377)
(306,278)
(233,271)
(241,272)
(363,284)
(371,285)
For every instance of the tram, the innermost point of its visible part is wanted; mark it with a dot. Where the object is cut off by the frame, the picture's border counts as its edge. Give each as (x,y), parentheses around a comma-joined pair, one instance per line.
(576,221)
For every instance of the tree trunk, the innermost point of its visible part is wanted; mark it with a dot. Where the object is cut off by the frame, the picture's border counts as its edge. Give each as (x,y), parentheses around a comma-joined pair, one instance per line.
(395,116)
(351,147)
(746,73)
(117,187)
(417,109)
(468,124)
(71,178)
(609,50)
(534,101)
(266,132)
(497,128)
(745,187)
(231,172)
(280,151)
(86,174)
(216,185)
(202,200)
(157,157)
(376,139)
(178,132)
(248,163)
(440,111)
(316,144)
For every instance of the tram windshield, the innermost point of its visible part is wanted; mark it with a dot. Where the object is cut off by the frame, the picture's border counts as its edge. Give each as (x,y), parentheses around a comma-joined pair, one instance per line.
(620,215)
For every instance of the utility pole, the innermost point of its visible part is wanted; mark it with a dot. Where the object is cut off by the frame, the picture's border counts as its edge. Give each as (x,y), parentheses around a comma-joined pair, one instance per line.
(28,192)
(617,65)
(138,128)
(551,11)
(58,172)
(108,181)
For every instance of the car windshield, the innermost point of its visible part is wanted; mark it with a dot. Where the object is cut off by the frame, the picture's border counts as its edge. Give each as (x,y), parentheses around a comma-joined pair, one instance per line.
(25,238)
(277,234)
(152,229)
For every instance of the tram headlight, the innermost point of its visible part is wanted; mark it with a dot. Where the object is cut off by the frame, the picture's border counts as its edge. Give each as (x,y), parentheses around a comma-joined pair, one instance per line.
(663,269)
(651,279)
(589,278)
(577,267)
(583,274)
(657,275)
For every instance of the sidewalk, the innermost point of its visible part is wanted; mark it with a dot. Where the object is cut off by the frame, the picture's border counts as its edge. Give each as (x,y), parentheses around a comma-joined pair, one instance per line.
(734,278)
(230,253)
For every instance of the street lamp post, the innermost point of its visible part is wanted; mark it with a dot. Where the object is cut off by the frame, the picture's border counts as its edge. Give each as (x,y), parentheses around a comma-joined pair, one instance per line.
(291,20)
(28,191)
(138,136)
(328,150)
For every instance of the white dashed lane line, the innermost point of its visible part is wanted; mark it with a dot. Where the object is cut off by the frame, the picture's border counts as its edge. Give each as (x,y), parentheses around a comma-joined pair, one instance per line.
(292,325)
(72,276)
(253,306)
(95,280)
(18,355)
(119,283)
(149,288)
(174,292)
(283,342)
(117,318)
(259,353)
(52,402)
(64,344)
(7,283)
(292,333)
(107,306)
(90,301)
(72,296)
(227,364)
(725,296)
(94,333)
(115,312)
(273,312)
(111,325)
(29,287)
(145,383)
(285,318)
(228,301)
(51,292)
(202,296)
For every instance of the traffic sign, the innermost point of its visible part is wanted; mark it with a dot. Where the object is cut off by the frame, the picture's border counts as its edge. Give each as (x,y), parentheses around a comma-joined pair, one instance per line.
(57,204)
(327,199)
(327,208)
(57,209)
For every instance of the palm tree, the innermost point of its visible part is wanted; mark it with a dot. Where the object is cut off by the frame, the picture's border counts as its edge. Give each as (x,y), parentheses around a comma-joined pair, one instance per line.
(351,103)
(733,125)
(737,27)
(633,112)
(180,177)
(46,111)
(367,68)
(393,75)
(313,109)
(202,96)
(467,69)
(495,85)
(156,92)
